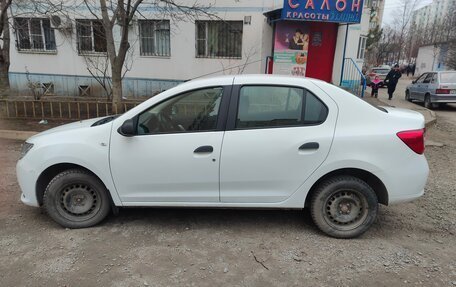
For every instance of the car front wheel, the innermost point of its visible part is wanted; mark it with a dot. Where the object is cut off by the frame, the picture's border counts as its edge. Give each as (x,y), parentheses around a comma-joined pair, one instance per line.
(344,207)
(407,96)
(76,199)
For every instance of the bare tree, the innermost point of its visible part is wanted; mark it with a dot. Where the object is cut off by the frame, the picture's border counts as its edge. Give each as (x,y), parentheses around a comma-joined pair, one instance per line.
(403,17)
(120,15)
(4,46)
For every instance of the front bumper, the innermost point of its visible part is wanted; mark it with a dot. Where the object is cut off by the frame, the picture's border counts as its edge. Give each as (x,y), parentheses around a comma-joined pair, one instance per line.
(27,178)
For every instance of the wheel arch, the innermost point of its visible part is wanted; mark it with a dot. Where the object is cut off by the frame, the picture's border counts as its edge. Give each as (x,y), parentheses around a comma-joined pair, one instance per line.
(49,173)
(372,180)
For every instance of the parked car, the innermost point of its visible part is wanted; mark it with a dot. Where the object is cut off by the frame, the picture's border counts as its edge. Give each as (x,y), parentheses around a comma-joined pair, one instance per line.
(251,141)
(433,88)
(381,72)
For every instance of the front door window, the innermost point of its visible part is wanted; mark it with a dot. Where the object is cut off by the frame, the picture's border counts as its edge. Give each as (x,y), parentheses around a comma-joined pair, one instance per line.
(193,111)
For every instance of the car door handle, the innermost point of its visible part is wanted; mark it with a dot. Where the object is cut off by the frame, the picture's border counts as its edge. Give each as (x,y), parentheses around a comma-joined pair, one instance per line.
(309,146)
(204,149)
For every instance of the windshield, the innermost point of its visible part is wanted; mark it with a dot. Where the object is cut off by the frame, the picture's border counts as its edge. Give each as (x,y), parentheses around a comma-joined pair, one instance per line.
(448,77)
(380,71)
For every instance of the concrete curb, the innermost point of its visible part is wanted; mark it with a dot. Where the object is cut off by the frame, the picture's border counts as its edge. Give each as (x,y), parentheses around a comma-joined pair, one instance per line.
(16,135)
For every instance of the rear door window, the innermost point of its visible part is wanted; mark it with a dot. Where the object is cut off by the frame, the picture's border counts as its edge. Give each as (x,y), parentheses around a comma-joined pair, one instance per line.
(274,106)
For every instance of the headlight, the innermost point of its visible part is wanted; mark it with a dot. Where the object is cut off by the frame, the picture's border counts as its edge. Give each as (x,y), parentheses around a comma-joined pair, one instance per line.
(25,149)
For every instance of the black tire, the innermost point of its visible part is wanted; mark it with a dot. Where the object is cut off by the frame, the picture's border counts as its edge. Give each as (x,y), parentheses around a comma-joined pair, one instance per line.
(407,96)
(427,102)
(76,199)
(344,207)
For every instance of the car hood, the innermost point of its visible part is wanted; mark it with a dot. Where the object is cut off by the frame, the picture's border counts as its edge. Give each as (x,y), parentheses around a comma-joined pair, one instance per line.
(67,127)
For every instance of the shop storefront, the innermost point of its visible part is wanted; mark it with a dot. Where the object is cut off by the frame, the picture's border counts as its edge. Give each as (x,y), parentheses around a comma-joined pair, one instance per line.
(306,33)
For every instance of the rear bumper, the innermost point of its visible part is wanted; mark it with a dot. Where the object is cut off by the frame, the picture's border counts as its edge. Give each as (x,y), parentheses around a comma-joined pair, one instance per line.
(406,181)
(443,98)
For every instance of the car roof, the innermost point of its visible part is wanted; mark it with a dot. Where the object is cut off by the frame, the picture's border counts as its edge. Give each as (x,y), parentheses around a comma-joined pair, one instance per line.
(229,79)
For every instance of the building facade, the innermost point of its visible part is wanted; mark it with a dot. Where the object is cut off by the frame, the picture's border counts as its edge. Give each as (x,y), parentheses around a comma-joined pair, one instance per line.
(67,55)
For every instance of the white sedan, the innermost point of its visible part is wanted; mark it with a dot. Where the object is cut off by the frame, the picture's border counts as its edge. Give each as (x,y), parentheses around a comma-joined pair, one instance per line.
(251,141)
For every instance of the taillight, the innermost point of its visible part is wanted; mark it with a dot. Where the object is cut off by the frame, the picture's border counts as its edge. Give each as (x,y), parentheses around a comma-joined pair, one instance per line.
(442,91)
(413,139)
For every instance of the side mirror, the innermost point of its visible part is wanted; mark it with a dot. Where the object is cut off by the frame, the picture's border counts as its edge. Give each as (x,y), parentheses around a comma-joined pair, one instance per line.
(127,129)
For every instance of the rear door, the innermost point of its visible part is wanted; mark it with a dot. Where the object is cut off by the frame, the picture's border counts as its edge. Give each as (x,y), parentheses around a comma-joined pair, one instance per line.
(425,86)
(277,135)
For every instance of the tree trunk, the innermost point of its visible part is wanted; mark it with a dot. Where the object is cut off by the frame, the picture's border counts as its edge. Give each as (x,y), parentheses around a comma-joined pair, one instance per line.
(116,88)
(4,54)
(4,79)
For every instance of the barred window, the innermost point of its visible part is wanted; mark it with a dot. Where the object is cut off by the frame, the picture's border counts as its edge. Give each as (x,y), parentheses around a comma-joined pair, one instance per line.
(91,36)
(154,38)
(361,47)
(219,39)
(34,34)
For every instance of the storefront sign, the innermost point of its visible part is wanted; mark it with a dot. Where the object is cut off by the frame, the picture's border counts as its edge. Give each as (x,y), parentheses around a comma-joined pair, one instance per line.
(340,11)
(291,48)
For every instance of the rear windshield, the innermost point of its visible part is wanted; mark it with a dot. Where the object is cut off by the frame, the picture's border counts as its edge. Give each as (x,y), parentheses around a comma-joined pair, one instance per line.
(380,71)
(448,77)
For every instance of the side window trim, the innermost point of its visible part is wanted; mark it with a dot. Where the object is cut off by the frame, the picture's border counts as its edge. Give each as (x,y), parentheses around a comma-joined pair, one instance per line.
(234,106)
(421,78)
(221,118)
(428,78)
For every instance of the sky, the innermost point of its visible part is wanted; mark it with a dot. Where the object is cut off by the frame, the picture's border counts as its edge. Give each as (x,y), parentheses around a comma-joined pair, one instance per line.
(391,5)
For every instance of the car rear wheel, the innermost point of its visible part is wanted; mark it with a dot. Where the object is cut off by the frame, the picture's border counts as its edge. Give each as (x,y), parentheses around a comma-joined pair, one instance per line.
(344,207)
(76,199)
(427,102)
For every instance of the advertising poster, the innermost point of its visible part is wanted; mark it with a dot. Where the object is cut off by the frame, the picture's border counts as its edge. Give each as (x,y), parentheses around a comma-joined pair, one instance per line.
(291,48)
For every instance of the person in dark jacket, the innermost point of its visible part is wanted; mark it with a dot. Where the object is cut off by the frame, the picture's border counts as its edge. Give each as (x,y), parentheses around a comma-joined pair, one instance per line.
(391,79)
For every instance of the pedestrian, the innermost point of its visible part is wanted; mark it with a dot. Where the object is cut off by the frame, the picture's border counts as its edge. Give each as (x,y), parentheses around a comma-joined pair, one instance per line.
(413,70)
(375,85)
(409,69)
(391,79)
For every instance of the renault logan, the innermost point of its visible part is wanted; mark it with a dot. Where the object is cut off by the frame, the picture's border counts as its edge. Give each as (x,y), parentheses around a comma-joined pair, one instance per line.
(251,141)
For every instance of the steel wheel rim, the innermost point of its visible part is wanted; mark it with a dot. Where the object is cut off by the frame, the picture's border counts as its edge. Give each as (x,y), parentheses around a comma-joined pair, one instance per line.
(345,209)
(78,201)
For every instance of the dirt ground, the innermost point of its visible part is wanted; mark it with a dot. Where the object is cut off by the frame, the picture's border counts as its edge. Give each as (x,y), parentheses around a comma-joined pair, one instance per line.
(411,244)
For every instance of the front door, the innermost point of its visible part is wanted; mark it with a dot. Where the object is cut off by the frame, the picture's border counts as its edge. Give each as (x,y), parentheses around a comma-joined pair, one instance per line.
(278,137)
(415,88)
(175,155)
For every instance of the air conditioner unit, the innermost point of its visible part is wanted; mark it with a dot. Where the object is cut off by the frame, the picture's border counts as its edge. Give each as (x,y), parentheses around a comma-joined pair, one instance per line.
(61,22)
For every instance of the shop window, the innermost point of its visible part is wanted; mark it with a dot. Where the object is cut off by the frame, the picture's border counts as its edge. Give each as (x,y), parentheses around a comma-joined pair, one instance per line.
(34,34)
(154,38)
(91,36)
(219,39)
(361,47)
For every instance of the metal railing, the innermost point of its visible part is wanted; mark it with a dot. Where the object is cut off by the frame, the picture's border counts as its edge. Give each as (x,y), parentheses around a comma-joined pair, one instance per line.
(352,79)
(67,109)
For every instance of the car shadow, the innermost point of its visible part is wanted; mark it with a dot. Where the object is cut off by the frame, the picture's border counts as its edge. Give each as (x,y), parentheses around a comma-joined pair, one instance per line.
(181,218)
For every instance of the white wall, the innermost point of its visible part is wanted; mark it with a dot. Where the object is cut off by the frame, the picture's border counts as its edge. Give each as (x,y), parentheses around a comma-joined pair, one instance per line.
(430,58)
(181,65)
(354,32)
